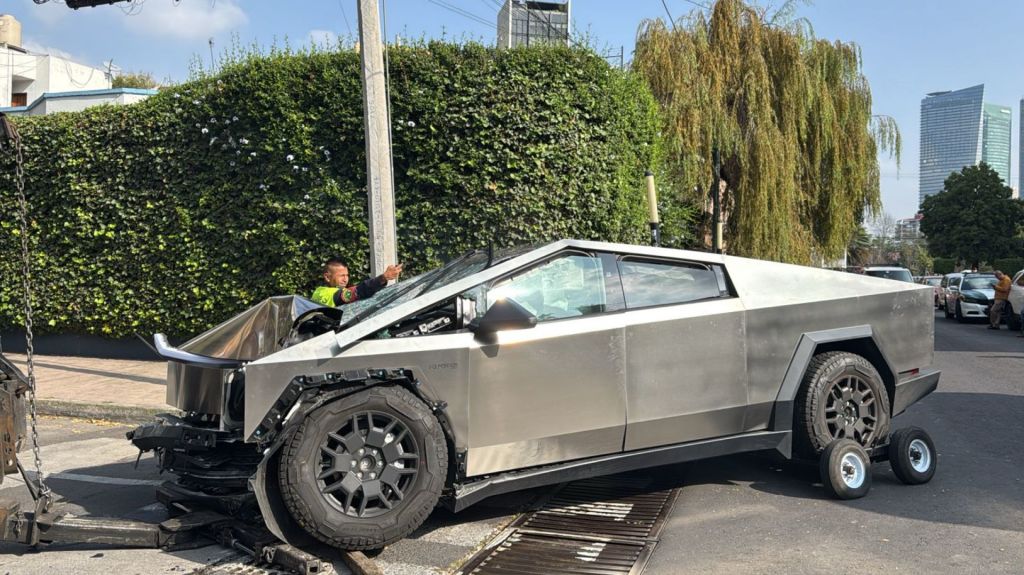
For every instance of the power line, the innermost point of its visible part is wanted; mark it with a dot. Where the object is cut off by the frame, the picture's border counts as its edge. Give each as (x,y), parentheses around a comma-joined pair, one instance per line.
(670,18)
(697,4)
(341,4)
(461,12)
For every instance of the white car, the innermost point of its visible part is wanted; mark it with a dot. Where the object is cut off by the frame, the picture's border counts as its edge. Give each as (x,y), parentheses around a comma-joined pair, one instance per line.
(1016,301)
(890,272)
(970,296)
(948,291)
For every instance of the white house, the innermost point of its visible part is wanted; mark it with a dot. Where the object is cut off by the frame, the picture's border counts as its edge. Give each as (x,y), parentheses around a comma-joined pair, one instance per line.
(33,83)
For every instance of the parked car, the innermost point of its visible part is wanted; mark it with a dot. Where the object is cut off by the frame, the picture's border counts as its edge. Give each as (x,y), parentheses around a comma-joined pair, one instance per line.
(936,283)
(949,287)
(1015,302)
(507,370)
(970,296)
(890,272)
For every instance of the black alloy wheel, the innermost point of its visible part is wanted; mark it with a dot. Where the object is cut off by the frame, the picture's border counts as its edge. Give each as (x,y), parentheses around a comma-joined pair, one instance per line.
(364,471)
(851,410)
(368,464)
(842,397)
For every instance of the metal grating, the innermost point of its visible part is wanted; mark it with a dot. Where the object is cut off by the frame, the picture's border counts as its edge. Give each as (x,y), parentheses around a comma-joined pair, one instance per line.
(601,526)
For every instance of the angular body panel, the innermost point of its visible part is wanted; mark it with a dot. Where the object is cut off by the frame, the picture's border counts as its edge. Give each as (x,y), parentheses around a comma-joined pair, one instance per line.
(612,379)
(548,394)
(687,377)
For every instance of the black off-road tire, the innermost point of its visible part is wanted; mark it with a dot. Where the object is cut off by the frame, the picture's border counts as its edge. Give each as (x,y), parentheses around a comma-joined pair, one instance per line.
(912,455)
(813,430)
(845,469)
(305,459)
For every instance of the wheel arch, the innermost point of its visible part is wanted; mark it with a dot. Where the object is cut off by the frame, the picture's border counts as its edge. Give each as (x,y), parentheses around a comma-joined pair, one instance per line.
(264,483)
(859,340)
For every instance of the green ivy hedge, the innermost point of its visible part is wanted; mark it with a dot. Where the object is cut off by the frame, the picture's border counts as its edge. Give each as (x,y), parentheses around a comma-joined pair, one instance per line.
(175,213)
(1009,266)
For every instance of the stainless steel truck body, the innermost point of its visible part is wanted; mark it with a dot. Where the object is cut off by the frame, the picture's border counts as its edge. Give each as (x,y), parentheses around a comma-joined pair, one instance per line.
(507,370)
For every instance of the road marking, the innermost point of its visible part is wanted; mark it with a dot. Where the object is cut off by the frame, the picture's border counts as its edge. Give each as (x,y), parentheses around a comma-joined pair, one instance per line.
(91,479)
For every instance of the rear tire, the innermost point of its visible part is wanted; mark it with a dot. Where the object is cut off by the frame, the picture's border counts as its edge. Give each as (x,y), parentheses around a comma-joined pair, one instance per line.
(912,455)
(842,396)
(366,470)
(845,469)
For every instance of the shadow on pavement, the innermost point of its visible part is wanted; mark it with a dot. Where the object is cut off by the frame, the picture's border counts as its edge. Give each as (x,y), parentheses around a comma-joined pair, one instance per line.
(974,336)
(979,480)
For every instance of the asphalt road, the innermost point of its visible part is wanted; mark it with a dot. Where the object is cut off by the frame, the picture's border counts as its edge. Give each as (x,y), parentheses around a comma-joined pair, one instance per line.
(742,514)
(753,514)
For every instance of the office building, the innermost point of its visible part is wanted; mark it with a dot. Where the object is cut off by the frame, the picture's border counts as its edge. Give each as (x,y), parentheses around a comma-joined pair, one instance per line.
(959,129)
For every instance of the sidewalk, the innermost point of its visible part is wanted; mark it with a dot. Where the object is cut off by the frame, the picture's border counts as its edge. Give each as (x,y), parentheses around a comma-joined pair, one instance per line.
(114,389)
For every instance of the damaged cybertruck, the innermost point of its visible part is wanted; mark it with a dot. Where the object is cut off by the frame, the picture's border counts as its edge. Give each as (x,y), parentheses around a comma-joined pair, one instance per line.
(506,370)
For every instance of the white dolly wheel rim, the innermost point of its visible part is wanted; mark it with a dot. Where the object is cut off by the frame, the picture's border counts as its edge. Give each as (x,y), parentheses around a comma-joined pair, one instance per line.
(851,469)
(919,455)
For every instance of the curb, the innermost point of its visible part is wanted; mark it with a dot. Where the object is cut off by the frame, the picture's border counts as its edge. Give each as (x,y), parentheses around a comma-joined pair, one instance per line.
(135,414)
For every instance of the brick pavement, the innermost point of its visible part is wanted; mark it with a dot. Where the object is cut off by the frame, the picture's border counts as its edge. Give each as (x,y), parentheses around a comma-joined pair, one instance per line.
(121,389)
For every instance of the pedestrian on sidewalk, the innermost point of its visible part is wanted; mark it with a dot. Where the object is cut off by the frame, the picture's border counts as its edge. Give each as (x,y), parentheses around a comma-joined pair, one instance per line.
(1002,289)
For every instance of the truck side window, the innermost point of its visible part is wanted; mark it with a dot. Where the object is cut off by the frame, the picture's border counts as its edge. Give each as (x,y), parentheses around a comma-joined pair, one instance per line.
(571,285)
(657,282)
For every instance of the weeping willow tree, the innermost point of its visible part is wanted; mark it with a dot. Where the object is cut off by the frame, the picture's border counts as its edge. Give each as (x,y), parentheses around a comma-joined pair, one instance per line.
(790,114)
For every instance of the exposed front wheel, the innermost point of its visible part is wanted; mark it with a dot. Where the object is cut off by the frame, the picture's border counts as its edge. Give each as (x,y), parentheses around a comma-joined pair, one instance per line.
(364,471)
(845,469)
(842,396)
(912,455)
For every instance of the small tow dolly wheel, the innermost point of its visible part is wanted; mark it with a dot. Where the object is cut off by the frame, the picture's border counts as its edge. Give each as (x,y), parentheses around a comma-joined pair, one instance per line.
(912,455)
(845,469)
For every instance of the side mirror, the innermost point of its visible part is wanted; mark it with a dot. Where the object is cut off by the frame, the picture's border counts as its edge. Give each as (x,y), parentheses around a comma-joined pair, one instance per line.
(504,314)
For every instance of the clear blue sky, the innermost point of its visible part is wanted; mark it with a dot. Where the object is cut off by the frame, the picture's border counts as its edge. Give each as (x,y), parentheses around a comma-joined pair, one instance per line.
(910,47)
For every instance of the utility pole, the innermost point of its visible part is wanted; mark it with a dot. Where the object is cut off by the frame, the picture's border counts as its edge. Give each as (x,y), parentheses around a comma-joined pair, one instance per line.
(377,126)
(652,209)
(716,202)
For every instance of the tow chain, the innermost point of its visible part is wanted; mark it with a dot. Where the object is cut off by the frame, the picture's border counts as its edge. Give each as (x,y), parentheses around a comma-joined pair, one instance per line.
(43,496)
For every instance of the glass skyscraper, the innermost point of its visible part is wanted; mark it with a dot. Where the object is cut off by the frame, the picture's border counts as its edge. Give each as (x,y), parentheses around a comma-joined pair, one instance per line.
(959,129)
(995,139)
(1020,154)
